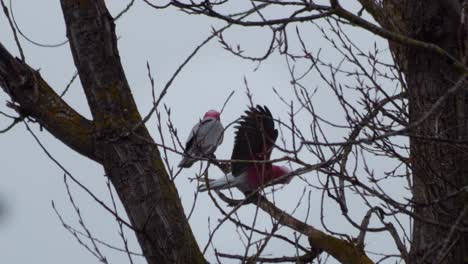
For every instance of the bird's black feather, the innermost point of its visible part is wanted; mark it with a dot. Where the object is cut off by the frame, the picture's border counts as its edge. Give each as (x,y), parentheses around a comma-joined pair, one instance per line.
(254,138)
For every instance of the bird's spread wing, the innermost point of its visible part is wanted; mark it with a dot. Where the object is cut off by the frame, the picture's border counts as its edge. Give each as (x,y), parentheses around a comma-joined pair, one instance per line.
(254,139)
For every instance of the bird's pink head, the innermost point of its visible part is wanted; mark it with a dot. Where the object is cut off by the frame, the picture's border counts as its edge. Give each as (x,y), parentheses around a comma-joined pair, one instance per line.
(212,114)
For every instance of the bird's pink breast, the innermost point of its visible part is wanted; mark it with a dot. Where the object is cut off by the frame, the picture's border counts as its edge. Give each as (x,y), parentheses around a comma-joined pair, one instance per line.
(262,174)
(257,176)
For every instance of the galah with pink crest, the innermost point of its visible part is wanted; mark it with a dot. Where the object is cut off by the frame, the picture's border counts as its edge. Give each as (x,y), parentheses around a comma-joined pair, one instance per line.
(203,140)
(254,141)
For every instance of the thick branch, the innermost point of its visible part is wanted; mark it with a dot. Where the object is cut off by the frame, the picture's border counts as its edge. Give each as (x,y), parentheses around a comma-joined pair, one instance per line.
(396,37)
(91,32)
(372,8)
(381,15)
(342,250)
(35,98)
(307,258)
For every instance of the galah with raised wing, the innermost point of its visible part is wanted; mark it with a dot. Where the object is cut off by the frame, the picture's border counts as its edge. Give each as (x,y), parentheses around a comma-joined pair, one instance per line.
(254,141)
(204,138)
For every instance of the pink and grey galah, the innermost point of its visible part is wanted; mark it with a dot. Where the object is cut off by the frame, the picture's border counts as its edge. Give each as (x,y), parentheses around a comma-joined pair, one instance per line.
(203,140)
(254,141)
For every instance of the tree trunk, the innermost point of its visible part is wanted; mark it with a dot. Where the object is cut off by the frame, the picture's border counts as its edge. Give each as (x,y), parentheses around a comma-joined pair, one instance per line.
(131,160)
(439,167)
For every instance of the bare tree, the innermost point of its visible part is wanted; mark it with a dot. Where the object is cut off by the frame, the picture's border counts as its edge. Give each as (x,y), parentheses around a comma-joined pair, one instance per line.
(405,104)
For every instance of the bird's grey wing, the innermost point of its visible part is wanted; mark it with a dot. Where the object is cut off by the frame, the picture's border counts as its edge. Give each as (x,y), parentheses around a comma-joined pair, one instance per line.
(199,135)
(210,136)
(214,136)
(191,138)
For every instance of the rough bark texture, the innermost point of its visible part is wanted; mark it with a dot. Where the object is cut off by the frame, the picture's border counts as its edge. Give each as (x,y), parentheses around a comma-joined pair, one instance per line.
(131,162)
(134,166)
(150,198)
(33,97)
(439,168)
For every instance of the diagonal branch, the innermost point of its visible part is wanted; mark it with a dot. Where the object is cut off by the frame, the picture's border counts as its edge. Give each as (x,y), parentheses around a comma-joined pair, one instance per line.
(396,37)
(342,250)
(33,97)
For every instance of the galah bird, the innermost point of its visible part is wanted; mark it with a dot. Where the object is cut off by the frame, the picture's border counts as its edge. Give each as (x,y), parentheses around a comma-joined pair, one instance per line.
(204,138)
(254,140)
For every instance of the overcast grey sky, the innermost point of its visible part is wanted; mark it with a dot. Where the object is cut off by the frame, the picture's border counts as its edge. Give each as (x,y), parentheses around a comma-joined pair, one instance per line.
(31,232)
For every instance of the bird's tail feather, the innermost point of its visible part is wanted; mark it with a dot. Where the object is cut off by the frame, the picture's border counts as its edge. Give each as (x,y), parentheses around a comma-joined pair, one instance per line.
(186,162)
(218,184)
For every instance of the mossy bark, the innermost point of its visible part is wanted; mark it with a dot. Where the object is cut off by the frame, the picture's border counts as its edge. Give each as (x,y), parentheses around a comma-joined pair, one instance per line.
(439,168)
(131,160)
